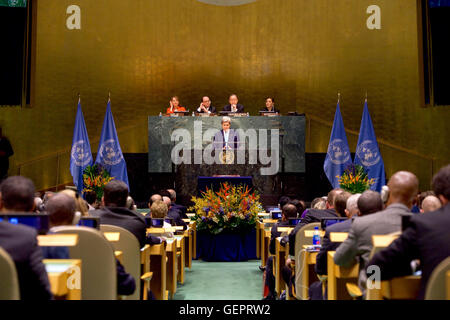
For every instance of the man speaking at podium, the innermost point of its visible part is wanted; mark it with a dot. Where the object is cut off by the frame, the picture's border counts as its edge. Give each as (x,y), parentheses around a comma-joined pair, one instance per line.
(233,105)
(227,138)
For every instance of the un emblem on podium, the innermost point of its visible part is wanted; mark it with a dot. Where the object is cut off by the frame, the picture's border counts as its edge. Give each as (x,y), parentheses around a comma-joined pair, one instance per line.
(226,157)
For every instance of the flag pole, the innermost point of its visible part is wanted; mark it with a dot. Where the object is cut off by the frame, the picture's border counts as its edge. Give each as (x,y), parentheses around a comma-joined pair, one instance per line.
(79,97)
(109,96)
(339,96)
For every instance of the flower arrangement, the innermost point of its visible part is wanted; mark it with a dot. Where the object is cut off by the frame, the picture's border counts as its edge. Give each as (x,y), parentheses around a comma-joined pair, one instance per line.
(355,179)
(231,209)
(95,178)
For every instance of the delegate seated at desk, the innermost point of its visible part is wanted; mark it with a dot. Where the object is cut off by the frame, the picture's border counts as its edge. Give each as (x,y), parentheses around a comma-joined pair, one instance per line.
(227,138)
(288,211)
(233,105)
(270,106)
(205,106)
(175,106)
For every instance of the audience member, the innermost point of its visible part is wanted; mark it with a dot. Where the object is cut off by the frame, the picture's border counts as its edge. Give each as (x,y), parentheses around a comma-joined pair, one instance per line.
(130,204)
(61,210)
(179,207)
(153,198)
(350,211)
(315,215)
(283,201)
(341,203)
(300,205)
(370,202)
(159,211)
(289,211)
(91,200)
(403,188)
(174,213)
(81,205)
(430,203)
(115,213)
(427,239)
(20,242)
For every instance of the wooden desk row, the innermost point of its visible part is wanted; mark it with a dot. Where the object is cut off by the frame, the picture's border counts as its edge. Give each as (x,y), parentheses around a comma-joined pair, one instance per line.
(162,265)
(338,277)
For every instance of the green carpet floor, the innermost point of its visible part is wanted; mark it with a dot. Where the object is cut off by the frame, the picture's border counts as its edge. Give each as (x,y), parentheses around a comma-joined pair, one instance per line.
(221,281)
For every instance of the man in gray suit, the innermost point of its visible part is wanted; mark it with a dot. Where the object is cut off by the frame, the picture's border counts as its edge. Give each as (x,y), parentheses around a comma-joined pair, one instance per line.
(403,187)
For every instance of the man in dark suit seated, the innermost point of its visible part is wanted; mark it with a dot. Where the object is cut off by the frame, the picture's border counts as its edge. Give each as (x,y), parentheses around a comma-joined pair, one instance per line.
(233,105)
(61,210)
(426,238)
(357,205)
(179,207)
(115,213)
(403,188)
(17,195)
(205,106)
(174,214)
(289,211)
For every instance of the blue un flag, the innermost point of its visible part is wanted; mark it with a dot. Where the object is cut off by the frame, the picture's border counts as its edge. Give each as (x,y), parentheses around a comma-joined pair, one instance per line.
(109,154)
(80,155)
(367,152)
(338,155)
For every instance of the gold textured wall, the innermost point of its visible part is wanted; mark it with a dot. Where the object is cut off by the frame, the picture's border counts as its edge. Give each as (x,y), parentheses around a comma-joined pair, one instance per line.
(300,51)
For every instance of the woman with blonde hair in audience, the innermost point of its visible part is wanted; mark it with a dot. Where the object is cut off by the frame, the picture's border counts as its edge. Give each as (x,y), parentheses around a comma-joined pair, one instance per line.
(158,210)
(81,205)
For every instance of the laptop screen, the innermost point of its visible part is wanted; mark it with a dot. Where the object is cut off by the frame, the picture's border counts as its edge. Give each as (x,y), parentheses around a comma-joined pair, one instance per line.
(40,222)
(276,214)
(91,222)
(326,222)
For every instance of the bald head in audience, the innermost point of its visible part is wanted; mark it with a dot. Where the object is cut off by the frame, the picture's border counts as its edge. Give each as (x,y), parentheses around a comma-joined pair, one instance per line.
(167,201)
(61,210)
(430,203)
(173,195)
(369,202)
(17,195)
(403,188)
(155,197)
(351,209)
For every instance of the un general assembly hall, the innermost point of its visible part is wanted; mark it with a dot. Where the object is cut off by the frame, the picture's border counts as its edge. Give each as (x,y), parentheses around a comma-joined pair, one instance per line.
(210,158)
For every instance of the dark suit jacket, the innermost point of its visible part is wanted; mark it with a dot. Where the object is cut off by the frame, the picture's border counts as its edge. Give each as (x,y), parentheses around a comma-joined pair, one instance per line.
(211,109)
(21,244)
(312,216)
(176,216)
(275,110)
(239,107)
(327,245)
(427,238)
(182,209)
(274,234)
(127,219)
